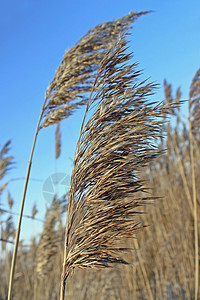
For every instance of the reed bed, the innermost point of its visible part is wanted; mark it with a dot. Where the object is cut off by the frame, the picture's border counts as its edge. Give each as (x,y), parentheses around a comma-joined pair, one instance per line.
(165,247)
(131,205)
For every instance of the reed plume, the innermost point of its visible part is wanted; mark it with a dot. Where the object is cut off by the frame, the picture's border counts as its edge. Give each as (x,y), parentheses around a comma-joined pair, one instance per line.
(170,99)
(5,163)
(7,231)
(48,243)
(75,75)
(34,211)
(47,247)
(115,144)
(194,102)
(67,92)
(5,160)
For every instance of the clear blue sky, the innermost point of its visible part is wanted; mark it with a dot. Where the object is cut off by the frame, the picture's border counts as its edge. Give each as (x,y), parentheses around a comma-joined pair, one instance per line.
(34,35)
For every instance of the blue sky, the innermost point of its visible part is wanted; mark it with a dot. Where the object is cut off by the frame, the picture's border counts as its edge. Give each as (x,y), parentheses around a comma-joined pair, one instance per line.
(33,38)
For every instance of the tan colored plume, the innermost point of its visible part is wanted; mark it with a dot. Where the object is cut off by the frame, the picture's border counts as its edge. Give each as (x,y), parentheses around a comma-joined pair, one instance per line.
(114,145)
(194,102)
(75,75)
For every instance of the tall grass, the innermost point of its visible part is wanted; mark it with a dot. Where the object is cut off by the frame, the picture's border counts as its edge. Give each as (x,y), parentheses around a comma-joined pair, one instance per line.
(114,145)
(119,167)
(65,93)
(165,248)
(194,122)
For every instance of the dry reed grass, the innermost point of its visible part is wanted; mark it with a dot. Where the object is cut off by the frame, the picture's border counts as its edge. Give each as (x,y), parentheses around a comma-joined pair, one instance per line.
(73,79)
(115,144)
(194,122)
(166,246)
(162,264)
(47,246)
(5,163)
(10,200)
(75,75)
(7,226)
(194,97)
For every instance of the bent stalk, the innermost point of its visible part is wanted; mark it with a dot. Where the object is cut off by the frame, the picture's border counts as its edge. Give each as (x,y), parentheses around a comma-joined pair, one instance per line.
(14,257)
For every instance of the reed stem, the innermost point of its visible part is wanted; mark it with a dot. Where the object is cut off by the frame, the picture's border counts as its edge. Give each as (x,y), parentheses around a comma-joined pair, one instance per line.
(14,257)
(196,242)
